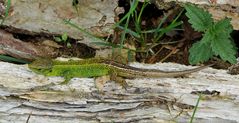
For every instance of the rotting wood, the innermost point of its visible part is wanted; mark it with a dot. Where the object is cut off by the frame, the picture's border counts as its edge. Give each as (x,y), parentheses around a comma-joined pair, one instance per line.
(146,100)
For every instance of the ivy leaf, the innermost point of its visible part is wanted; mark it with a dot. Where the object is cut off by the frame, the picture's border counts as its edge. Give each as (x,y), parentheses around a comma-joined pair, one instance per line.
(200,52)
(201,20)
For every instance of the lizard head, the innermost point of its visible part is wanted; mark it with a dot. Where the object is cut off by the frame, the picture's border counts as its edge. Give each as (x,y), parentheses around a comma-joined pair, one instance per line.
(41,65)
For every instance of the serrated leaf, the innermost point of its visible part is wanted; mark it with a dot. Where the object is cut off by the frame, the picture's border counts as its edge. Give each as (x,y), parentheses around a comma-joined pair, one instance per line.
(207,37)
(223,27)
(216,38)
(200,52)
(200,19)
(222,46)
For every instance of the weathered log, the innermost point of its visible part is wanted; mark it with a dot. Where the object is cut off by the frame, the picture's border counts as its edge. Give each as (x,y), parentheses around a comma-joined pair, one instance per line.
(145,100)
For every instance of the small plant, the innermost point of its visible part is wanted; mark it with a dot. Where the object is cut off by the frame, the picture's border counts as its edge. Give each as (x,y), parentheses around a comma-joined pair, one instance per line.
(141,35)
(6,11)
(63,39)
(216,40)
(138,33)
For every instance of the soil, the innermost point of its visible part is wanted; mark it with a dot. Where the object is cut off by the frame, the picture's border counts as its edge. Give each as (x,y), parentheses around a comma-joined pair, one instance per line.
(174,45)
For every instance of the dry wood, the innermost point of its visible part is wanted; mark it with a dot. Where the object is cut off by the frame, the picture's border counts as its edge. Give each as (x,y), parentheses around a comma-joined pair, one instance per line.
(146,100)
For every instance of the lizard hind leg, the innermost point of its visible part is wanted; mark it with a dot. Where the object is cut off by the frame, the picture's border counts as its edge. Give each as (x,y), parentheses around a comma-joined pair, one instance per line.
(118,79)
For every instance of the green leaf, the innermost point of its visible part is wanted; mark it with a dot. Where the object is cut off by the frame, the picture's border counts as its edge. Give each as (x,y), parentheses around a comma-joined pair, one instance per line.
(207,37)
(223,46)
(223,27)
(57,39)
(200,52)
(216,38)
(220,40)
(201,20)
(131,32)
(64,37)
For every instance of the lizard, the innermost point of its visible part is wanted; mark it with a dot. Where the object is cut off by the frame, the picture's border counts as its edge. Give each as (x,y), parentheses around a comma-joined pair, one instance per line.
(95,67)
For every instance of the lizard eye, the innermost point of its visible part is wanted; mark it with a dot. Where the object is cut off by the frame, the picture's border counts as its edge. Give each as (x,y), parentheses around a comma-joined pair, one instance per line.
(39,69)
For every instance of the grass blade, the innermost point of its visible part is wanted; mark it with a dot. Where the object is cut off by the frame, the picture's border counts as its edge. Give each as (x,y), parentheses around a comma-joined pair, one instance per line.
(12,59)
(195,109)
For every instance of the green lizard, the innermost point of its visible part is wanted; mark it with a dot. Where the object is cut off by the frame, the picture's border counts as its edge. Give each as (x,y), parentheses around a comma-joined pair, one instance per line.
(96,67)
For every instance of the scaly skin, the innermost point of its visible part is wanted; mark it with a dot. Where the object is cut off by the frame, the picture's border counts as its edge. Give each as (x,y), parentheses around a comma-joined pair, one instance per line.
(99,67)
